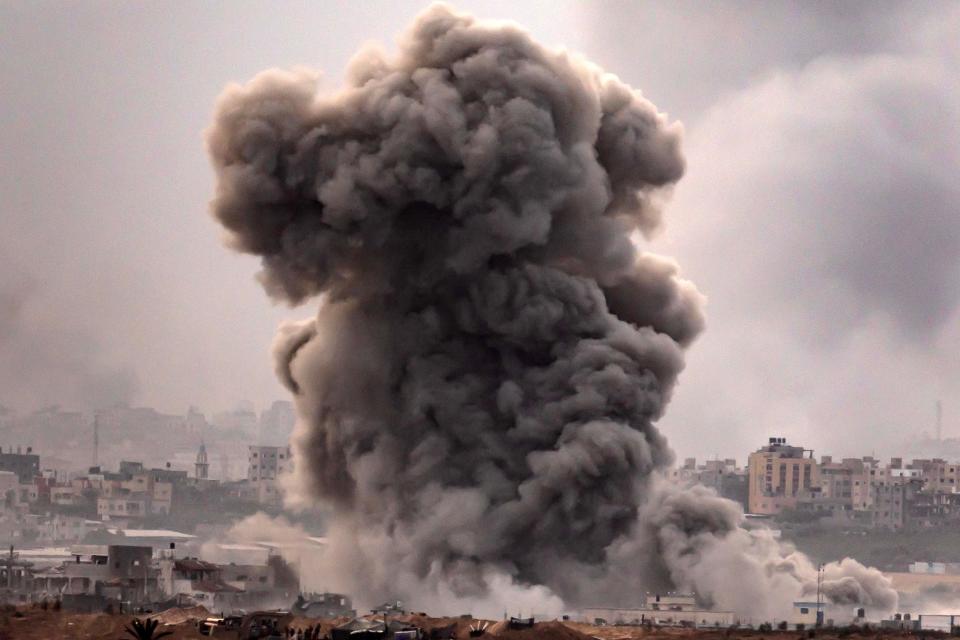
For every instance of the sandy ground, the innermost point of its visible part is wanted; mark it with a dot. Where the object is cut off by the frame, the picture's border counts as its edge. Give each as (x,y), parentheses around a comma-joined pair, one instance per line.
(36,624)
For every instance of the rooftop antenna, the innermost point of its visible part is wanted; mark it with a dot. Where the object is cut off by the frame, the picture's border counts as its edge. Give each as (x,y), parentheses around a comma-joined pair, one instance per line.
(96,438)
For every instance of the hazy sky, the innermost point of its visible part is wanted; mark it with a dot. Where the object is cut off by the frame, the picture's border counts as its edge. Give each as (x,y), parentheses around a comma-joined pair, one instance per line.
(820,213)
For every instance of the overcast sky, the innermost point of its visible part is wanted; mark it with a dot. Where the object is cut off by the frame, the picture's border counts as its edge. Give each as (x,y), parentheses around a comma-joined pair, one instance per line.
(820,213)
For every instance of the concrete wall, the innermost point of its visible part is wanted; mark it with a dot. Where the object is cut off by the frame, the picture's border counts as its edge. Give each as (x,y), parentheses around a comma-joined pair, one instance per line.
(943,623)
(641,616)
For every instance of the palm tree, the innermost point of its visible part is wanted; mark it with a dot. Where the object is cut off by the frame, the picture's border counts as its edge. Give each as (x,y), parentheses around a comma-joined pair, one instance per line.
(146,630)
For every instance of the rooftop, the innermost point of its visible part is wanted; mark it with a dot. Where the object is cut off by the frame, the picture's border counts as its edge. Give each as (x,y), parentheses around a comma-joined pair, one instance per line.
(194,564)
(209,586)
(151,533)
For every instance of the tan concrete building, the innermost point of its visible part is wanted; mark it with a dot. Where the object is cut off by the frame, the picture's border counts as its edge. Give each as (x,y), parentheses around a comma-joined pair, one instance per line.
(940,476)
(158,494)
(779,474)
(847,480)
(862,492)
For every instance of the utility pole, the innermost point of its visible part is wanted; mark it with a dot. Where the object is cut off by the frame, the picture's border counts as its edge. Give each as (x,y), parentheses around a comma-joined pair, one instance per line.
(10,569)
(96,438)
(819,595)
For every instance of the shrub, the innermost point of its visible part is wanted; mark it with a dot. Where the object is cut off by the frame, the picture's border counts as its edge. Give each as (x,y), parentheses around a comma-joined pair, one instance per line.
(146,630)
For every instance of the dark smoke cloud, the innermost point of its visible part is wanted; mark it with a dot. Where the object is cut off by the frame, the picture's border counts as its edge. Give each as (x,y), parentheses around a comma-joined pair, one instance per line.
(478,392)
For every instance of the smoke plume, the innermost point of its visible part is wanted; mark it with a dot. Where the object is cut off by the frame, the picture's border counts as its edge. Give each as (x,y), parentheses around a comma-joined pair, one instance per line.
(478,391)
(45,355)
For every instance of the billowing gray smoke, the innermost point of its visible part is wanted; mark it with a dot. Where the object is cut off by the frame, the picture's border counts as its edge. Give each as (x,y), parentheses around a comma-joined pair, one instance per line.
(478,391)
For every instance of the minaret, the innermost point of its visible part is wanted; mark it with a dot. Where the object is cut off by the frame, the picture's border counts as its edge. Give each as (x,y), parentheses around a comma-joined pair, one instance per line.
(202,466)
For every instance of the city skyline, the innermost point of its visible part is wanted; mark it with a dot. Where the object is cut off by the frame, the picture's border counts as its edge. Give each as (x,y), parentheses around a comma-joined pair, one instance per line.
(436,304)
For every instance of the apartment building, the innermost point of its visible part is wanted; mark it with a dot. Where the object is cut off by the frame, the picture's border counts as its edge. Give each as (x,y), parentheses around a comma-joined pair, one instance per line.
(939,476)
(891,509)
(267,463)
(779,474)
(25,465)
(157,493)
(122,507)
(847,480)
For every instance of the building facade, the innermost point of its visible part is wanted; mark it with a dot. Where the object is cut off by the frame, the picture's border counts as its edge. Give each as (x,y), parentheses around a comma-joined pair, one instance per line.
(779,474)
(267,463)
(25,465)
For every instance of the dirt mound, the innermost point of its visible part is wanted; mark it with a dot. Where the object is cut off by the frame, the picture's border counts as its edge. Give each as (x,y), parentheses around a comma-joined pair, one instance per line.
(552,630)
(498,627)
(610,633)
(326,624)
(32,624)
(179,615)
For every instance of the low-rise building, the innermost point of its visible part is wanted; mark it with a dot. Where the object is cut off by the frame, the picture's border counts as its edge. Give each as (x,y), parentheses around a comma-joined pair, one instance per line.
(642,616)
(672,602)
(323,605)
(99,567)
(124,507)
(248,577)
(198,581)
(60,528)
(808,614)
(64,495)
(163,542)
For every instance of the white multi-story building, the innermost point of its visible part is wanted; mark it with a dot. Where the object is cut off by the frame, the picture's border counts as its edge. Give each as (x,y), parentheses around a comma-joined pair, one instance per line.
(268,463)
(265,465)
(61,528)
(671,608)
